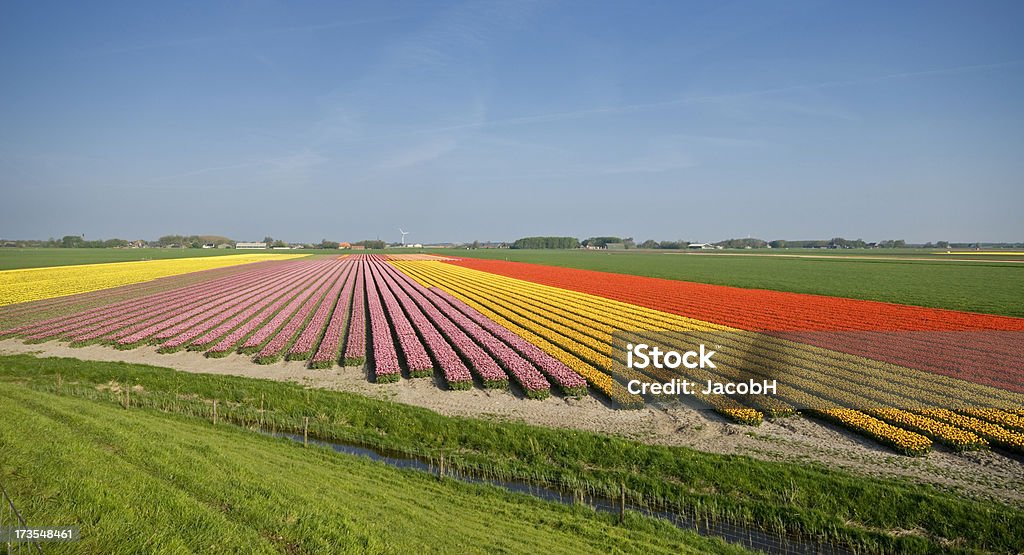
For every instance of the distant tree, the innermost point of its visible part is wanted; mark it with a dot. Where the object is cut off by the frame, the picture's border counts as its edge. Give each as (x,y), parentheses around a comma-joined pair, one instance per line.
(748,242)
(278,243)
(942,244)
(629,243)
(325,244)
(196,245)
(600,242)
(777,244)
(475,245)
(71,241)
(268,240)
(546,243)
(371,244)
(649,244)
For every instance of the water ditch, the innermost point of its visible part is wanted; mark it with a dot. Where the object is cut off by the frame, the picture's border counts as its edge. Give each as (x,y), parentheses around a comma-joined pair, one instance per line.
(743,534)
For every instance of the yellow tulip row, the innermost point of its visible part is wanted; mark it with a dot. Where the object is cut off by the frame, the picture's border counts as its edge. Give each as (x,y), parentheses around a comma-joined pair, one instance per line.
(1008,420)
(556,322)
(995,434)
(33,284)
(906,442)
(959,440)
(808,376)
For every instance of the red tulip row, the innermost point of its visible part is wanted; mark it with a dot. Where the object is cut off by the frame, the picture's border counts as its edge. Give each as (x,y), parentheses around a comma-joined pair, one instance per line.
(335,306)
(455,372)
(987,355)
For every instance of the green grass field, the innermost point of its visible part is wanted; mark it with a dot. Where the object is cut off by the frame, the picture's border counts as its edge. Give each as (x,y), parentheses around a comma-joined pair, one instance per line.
(199,470)
(140,481)
(986,285)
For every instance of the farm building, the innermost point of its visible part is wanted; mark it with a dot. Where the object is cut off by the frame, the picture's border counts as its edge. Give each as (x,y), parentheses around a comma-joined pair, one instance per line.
(244,245)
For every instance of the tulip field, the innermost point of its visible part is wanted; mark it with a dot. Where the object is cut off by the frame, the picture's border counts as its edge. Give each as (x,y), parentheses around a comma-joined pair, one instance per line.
(906,377)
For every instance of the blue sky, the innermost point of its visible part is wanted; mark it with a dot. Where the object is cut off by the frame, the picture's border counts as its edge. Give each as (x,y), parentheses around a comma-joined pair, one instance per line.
(495,120)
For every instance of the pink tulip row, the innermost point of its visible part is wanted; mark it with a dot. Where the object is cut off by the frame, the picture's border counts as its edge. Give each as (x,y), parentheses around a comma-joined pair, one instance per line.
(355,345)
(482,364)
(272,289)
(210,332)
(567,380)
(257,316)
(385,357)
(208,303)
(139,289)
(289,312)
(336,299)
(186,316)
(235,304)
(44,328)
(522,370)
(416,358)
(94,323)
(455,372)
(275,347)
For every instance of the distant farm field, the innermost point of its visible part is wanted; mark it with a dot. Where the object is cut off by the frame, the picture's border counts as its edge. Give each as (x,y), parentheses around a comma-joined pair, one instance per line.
(12,259)
(987,285)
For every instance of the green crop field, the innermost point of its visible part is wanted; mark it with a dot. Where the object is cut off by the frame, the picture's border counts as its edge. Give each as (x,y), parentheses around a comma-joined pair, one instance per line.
(175,467)
(140,481)
(985,285)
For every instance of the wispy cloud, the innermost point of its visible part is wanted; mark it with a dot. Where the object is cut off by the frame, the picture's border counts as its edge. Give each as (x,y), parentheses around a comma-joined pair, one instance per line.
(291,167)
(193,41)
(638,107)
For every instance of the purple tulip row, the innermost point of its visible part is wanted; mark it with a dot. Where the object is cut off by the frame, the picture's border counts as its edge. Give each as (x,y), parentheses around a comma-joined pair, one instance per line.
(522,370)
(355,345)
(336,299)
(482,364)
(455,372)
(385,357)
(569,381)
(275,347)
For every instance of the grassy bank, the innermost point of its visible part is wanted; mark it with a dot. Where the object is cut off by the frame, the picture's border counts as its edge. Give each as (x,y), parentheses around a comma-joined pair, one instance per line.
(986,285)
(874,514)
(142,482)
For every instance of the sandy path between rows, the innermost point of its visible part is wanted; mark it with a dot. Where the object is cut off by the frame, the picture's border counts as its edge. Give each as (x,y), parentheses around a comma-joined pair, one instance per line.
(981,474)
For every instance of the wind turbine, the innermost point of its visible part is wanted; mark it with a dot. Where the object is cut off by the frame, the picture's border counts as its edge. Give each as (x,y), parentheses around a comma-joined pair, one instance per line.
(404,233)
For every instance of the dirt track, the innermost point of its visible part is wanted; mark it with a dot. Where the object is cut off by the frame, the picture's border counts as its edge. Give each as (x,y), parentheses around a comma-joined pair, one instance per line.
(982,474)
